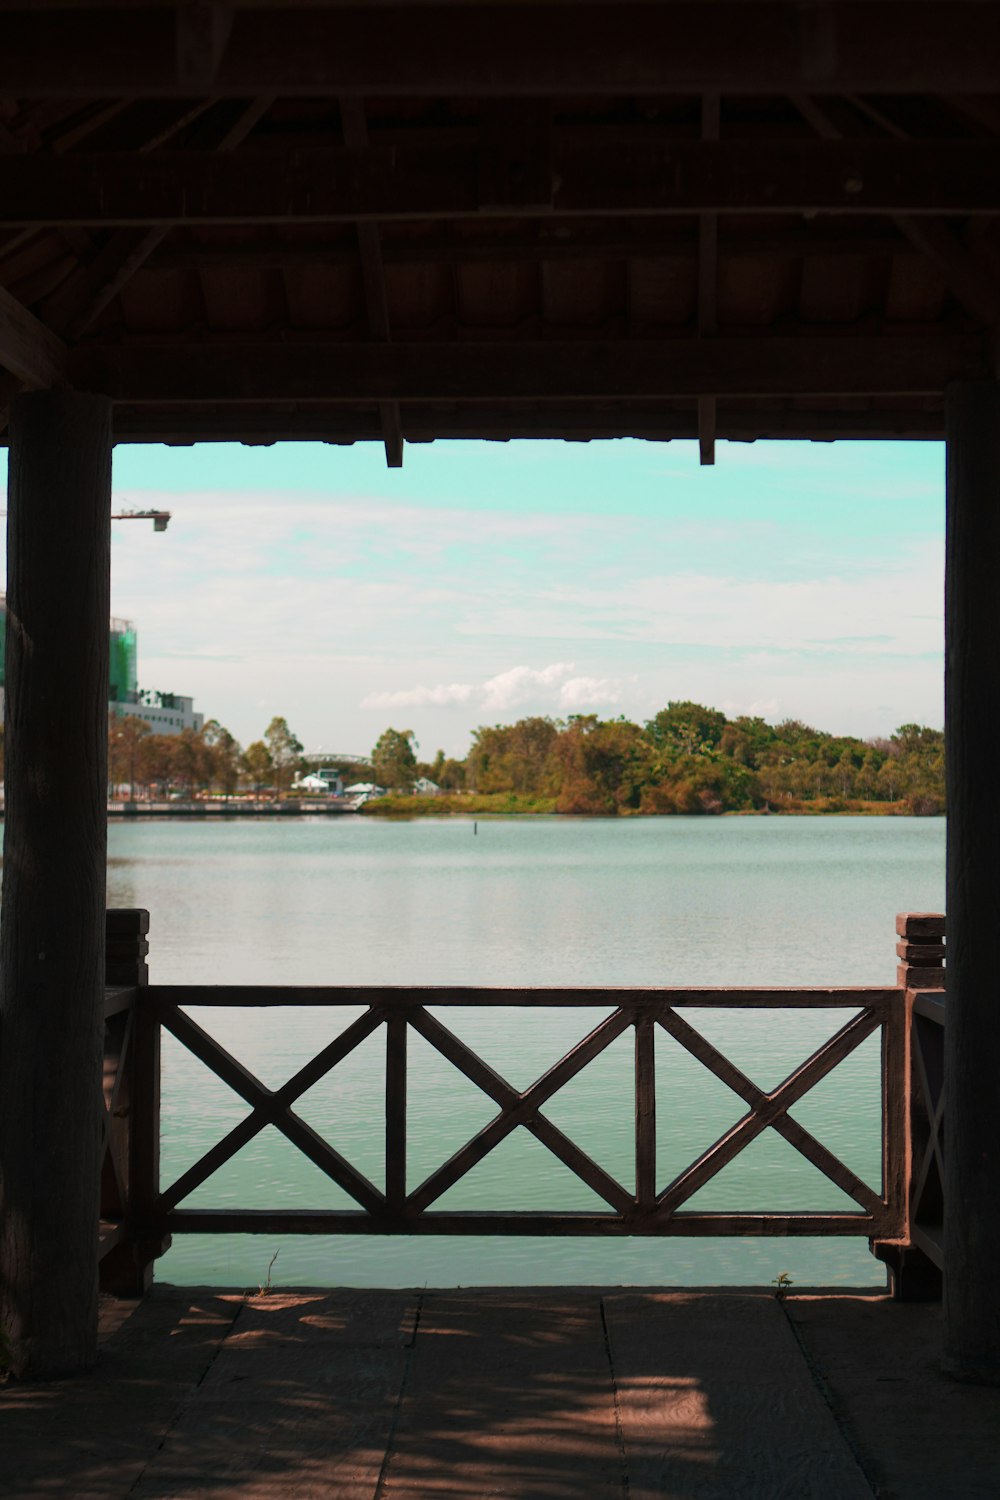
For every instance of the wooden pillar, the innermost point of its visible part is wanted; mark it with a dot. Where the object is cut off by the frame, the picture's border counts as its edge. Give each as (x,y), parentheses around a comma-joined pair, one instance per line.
(55,843)
(972,1032)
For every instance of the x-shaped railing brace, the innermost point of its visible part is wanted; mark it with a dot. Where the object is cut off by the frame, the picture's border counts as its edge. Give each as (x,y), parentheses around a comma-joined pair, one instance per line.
(769,1109)
(520,1108)
(109,1146)
(272,1107)
(932,1089)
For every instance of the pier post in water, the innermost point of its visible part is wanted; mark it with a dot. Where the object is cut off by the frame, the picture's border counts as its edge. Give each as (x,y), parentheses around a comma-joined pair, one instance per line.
(972,1033)
(55,845)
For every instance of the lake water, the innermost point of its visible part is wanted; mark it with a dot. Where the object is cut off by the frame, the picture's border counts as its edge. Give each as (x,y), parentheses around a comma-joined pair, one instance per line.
(529,901)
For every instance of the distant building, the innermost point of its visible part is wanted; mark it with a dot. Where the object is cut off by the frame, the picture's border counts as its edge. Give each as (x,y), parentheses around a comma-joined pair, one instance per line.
(324,780)
(165,713)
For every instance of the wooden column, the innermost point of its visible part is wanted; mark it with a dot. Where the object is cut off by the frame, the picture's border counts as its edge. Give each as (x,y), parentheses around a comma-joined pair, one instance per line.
(972,1032)
(55,842)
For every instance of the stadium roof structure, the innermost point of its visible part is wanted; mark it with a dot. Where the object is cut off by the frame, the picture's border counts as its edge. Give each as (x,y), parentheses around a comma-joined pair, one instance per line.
(500,219)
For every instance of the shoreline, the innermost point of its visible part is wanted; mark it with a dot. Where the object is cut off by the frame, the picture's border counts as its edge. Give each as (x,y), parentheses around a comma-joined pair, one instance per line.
(485,807)
(129,811)
(504,804)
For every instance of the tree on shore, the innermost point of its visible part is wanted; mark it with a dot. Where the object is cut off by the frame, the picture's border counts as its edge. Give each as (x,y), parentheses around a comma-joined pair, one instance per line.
(686,759)
(224,755)
(256,765)
(285,752)
(125,732)
(394,764)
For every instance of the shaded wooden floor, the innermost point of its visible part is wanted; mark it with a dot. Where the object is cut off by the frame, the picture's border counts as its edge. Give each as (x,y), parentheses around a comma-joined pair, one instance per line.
(540,1395)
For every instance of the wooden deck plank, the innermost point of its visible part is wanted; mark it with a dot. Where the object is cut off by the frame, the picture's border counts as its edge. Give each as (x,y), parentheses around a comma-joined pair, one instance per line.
(349,1318)
(924,1435)
(300,1400)
(291,1443)
(717,1402)
(506,1392)
(510,1393)
(92,1438)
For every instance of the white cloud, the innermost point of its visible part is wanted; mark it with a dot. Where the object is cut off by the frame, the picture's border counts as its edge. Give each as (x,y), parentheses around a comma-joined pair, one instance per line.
(587,693)
(416,697)
(521,684)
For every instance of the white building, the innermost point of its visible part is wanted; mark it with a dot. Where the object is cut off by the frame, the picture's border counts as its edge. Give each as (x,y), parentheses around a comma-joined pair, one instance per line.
(165,713)
(323,781)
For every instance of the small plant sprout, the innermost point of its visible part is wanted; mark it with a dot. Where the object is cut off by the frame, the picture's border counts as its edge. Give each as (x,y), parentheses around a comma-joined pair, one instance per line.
(781,1283)
(264,1289)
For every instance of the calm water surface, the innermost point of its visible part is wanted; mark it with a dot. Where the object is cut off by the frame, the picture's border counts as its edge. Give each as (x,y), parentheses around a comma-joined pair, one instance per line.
(533,901)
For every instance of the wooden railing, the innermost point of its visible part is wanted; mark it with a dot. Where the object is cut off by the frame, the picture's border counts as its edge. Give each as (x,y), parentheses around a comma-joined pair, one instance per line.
(916,1258)
(140,1213)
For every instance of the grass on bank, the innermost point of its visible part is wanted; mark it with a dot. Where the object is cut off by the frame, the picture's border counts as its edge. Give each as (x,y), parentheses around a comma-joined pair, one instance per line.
(466,804)
(475,804)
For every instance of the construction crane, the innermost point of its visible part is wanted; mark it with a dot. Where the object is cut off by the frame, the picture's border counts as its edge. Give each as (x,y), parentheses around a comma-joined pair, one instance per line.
(159,518)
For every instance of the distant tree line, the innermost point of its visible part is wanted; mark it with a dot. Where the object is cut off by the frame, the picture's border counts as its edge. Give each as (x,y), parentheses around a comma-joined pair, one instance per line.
(686,759)
(207,760)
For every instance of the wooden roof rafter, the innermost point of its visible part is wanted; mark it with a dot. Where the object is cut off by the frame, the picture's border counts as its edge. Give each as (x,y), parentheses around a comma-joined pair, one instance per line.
(502,48)
(971,284)
(669,219)
(75,306)
(341,185)
(708,288)
(355,129)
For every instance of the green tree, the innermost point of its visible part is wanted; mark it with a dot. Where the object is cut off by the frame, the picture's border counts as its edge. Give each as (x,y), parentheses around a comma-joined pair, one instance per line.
(451,776)
(394,765)
(687,727)
(191,763)
(512,757)
(223,757)
(600,766)
(256,765)
(124,734)
(918,754)
(285,752)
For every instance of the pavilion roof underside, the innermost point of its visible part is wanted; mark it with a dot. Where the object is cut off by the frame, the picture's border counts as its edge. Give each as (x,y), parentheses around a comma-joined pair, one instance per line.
(799,243)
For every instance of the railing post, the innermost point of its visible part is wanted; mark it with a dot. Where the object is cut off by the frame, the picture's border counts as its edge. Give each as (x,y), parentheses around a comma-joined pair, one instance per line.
(127,1269)
(126,945)
(645,1113)
(920,950)
(914,1275)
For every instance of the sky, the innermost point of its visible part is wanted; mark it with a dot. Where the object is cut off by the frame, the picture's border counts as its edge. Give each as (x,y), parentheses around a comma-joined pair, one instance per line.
(486,581)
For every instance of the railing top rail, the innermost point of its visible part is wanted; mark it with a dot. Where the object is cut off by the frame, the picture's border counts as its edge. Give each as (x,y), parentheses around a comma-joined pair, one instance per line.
(118,997)
(931,1004)
(396,998)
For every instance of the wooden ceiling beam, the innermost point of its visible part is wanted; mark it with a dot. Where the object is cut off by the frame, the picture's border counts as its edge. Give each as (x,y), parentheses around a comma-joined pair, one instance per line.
(29,351)
(911,364)
(344,185)
(355,129)
(970,284)
(201,36)
(74,307)
(432,50)
(664,238)
(500,424)
(708,286)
